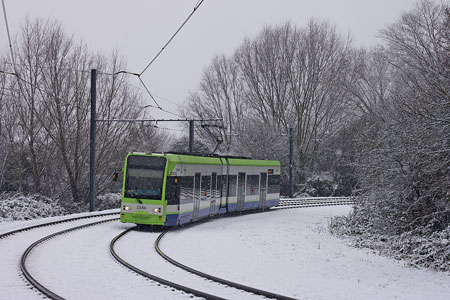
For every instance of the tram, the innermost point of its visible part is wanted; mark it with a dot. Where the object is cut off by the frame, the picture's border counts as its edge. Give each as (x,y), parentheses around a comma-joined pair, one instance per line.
(170,189)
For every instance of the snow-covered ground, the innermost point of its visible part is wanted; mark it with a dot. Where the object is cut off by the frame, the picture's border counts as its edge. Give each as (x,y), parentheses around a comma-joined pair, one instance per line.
(289,252)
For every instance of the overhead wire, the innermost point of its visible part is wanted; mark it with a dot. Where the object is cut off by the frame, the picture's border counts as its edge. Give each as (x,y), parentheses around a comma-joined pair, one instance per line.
(169,112)
(19,79)
(148,91)
(7,30)
(61,101)
(8,73)
(158,96)
(57,69)
(14,64)
(256,132)
(170,129)
(173,36)
(170,101)
(154,58)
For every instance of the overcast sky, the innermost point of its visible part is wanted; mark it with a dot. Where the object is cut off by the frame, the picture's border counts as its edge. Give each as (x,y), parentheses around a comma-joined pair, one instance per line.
(139,28)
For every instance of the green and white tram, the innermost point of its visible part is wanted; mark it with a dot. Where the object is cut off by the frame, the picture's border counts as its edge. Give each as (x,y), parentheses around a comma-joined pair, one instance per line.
(173,189)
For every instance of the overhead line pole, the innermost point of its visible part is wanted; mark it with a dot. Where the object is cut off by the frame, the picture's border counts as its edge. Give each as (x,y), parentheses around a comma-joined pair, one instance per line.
(191,137)
(291,162)
(92,187)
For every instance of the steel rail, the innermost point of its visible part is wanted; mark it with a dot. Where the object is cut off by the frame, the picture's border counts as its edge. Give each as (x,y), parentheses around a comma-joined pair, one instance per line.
(313,202)
(217,279)
(209,277)
(307,205)
(6,234)
(25,255)
(156,278)
(321,198)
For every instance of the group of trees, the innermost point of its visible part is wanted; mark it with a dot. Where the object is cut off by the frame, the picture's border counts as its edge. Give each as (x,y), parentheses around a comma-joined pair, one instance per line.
(287,77)
(376,119)
(404,147)
(45,115)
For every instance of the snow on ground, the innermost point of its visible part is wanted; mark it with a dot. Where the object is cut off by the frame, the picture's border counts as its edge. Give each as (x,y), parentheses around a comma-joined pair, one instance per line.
(287,251)
(84,269)
(7,226)
(144,256)
(291,252)
(12,286)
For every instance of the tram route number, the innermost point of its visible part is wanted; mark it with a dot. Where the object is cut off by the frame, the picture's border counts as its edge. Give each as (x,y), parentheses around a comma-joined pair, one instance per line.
(141,207)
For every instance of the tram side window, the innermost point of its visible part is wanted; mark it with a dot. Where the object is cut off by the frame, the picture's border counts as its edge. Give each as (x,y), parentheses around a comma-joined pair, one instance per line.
(187,189)
(172,190)
(273,184)
(214,186)
(219,186)
(252,185)
(223,192)
(206,187)
(232,185)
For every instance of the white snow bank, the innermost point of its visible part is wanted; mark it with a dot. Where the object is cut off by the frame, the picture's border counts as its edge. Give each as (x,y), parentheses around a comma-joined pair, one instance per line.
(19,207)
(291,252)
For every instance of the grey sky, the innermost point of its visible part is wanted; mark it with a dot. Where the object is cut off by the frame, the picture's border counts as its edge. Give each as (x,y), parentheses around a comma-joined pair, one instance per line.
(139,28)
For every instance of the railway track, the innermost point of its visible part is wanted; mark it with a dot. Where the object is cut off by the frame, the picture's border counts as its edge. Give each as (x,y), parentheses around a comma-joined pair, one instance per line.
(44,290)
(12,250)
(239,288)
(153,277)
(249,289)
(13,232)
(284,204)
(287,203)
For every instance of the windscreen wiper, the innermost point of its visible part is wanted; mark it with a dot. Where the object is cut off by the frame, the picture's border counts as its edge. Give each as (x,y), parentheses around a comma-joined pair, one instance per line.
(134,196)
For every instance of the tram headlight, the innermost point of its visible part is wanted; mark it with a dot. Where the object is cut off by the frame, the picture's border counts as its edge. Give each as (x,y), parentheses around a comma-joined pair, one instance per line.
(157,210)
(126,208)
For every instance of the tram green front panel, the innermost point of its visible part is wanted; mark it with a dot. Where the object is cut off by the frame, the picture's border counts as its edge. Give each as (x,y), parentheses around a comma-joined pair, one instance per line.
(143,213)
(150,212)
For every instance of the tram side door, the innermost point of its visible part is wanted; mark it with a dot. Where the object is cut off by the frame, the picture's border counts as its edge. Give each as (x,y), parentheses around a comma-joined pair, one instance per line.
(213,193)
(241,191)
(263,190)
(197,195)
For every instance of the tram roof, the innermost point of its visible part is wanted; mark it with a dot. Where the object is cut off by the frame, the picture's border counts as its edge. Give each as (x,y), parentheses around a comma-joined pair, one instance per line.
(212,159)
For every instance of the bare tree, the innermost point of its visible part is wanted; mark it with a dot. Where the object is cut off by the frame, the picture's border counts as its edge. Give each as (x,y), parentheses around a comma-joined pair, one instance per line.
(405,152)
(372,87)
(46,120)
(285,77)
(219,97)
(322,69)
(266,64)
(5,149)
(30,51)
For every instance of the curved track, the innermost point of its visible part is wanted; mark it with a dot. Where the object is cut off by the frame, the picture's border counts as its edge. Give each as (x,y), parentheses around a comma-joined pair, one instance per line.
(25,255)
(156,278)
(217,279)
(12,232)
(284,204)
(288,203)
